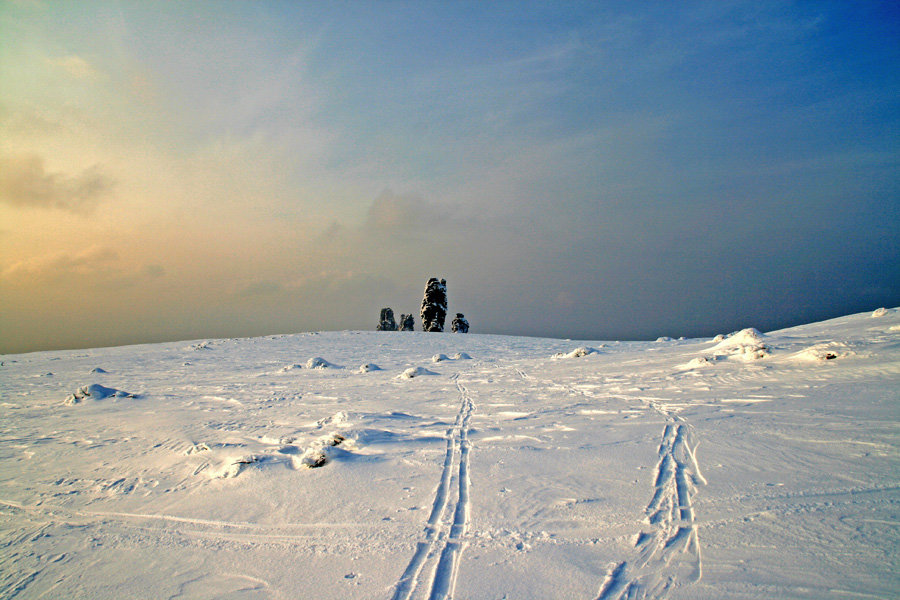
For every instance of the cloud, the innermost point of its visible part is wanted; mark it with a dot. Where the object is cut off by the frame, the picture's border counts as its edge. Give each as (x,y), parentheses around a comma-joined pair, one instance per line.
(93,261)
(261,288)
(399,213)
(19,121)
(153,271)
(75,66)
(25,182)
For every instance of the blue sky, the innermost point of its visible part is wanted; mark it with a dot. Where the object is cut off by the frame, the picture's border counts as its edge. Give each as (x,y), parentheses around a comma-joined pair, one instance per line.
(588,170)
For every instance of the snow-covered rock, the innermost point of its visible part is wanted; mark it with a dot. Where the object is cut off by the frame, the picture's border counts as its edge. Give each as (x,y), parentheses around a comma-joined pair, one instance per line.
(746,344)
(320,363)
(415,372)
(407,322)
(386,322)
(95,391)
(434,305)
(577,352)
(824,352)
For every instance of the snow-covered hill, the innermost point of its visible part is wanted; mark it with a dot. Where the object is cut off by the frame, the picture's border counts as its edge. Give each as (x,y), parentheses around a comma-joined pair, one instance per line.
(412,465)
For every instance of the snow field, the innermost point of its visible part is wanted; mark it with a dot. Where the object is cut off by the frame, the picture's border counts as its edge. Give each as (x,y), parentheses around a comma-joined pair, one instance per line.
(751,466)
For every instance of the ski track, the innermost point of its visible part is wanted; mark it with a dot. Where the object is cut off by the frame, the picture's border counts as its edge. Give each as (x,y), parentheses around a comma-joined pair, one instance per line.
(667,554)
(432,572)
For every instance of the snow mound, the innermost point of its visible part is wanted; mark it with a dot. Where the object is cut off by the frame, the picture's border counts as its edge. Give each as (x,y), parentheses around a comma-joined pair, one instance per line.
(664,338)
(196,448)
(318,453)
(744,337)
(439,358)
(232,468)
(320,363)
(577,352)
(461,356)
(368,367)
(415,372)
(699,362)
(96,391)
(289,456)
(746,344)
(99,370)
(292,367)
(337,419)
(879,312)
(823,352)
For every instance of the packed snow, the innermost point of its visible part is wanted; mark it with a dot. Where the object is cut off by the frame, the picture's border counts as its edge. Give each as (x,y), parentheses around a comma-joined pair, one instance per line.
(747,466)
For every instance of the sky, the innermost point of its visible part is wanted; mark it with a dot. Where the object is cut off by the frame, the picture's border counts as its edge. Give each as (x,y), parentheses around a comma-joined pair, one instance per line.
(585,170)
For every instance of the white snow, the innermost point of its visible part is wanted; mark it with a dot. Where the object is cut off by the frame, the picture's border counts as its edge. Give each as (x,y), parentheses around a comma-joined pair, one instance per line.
(320,363)
(752,466)
(95,391)
(577,352)
(415,372)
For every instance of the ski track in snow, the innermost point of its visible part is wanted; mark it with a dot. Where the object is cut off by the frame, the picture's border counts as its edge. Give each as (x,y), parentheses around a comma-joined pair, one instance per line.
(669,554)
(433,569)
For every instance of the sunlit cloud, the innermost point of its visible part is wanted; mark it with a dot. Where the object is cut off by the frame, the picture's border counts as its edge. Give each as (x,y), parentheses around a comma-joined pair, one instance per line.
(24,182)
(91,262)
(75,66)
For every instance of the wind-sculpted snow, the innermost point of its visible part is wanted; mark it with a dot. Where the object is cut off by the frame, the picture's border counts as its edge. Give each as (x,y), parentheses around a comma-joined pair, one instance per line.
(320,363)
(752,466)
(577,352)
(412,372)
(95,391)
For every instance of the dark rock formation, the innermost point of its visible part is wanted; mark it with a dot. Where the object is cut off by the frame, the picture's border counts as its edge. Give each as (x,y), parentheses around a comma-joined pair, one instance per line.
(407,322)
(387,322)
(459,324)
(434,305)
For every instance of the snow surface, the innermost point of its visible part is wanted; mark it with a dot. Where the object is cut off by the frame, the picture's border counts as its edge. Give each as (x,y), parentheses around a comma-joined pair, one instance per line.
(754,466)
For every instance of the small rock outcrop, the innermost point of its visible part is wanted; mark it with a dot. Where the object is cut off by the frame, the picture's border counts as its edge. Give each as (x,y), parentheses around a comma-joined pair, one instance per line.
(459,324)
(407,322)
(434,305)
(387,323)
